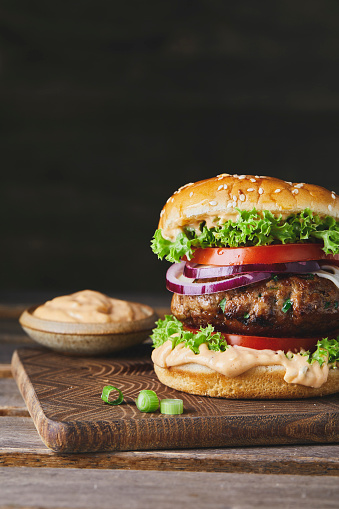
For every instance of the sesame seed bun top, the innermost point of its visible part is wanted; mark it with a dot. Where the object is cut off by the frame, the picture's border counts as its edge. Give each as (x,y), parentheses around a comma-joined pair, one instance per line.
(219,197)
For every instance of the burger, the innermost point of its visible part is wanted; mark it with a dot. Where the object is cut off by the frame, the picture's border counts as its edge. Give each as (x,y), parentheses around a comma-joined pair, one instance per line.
(255,282)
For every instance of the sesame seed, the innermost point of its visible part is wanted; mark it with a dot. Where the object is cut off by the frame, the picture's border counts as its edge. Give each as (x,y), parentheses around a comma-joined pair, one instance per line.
(229,205)
(186,185)
(333,195)
(330,207)
(257,176)
(241,177)
(225,186)
(242,197)
(213,202)
(234,204)
(260,190)
(295,191)
(234,198)
(252,180)
(277,190)
(220,187)
(287,182)
(172,200)
(250,189)
(191,194)
(298,185)
(162,213)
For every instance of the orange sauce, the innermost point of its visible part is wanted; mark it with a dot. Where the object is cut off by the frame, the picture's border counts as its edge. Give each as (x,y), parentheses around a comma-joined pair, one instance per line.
(237,360)
(88,306)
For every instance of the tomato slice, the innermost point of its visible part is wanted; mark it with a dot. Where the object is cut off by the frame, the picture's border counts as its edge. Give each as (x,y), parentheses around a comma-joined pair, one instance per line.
(275,253)
(270,343)
(262,343)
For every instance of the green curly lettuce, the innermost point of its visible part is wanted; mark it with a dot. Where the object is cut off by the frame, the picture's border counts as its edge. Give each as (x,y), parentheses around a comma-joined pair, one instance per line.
(327,351)
(172,329)
(251,229)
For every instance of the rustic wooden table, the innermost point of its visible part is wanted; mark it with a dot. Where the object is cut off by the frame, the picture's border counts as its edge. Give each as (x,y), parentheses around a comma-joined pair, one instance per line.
(32,476)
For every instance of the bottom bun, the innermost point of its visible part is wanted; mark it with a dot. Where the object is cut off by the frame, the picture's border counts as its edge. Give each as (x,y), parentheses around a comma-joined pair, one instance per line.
(262,382)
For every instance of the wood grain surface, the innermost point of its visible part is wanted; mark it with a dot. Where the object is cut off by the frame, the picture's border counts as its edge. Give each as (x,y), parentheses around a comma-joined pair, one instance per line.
(20,445)
(66,488)
(63,397)
(11,402)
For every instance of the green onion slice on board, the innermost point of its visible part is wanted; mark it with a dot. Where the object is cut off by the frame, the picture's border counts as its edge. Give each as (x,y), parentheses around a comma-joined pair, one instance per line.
(106,391)
(147,401)
(172,406)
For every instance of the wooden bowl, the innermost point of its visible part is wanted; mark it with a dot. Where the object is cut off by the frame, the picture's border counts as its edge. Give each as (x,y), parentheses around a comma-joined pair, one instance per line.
(88,338)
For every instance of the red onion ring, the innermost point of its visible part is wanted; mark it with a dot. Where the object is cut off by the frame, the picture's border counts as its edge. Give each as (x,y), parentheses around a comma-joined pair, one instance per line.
(196,271)
(176,282)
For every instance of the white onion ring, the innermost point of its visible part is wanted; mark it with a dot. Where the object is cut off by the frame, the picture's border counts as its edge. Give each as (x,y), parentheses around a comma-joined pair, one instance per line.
(176,282)
(329,272)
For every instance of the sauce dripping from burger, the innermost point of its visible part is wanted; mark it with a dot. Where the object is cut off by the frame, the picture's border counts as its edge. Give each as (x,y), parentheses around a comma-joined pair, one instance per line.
(237,360)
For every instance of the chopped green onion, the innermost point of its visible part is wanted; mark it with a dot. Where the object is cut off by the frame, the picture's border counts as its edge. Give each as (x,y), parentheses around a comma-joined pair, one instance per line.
(171,406)
(287,305)
(106,391)
(222,304)
(147,401)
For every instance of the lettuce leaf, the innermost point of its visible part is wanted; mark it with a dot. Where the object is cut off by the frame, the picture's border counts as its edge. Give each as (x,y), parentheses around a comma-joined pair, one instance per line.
(171,328)
(327,351)
(251,229)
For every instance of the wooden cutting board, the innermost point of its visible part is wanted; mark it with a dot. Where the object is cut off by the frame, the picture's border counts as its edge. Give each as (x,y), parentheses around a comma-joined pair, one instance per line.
(63,396)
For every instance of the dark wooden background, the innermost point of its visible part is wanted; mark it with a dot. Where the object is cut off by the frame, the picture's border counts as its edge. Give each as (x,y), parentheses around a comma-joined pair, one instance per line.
(108,107)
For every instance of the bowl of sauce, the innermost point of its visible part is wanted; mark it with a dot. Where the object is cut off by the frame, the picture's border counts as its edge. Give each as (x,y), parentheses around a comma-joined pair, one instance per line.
(88,323)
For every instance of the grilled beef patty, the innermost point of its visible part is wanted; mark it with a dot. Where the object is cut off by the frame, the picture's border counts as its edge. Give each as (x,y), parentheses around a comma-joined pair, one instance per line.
(285,305)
